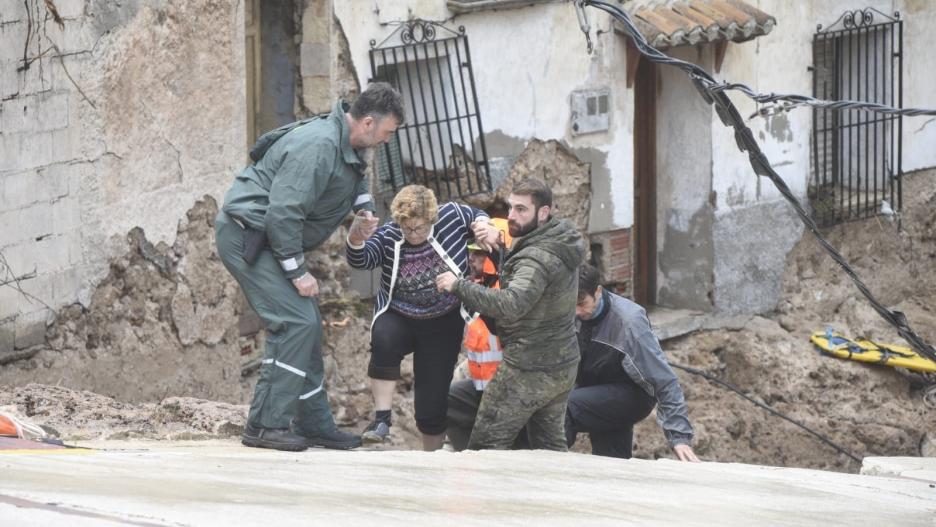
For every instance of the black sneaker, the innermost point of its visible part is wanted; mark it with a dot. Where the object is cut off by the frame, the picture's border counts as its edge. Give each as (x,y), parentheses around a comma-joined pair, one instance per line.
(335,439)
(275,438)
(376,432)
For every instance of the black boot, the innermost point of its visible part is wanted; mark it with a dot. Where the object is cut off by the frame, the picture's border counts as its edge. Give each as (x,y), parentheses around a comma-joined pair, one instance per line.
(276,438)
(335,439)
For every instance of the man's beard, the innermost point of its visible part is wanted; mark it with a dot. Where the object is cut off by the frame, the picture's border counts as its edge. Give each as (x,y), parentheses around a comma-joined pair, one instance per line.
(516,230)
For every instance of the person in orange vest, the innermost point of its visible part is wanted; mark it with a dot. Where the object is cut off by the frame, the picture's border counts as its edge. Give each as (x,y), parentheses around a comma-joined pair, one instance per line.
(482,347)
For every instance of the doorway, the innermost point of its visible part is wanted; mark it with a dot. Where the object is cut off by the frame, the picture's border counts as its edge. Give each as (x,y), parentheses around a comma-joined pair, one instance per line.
(645,206)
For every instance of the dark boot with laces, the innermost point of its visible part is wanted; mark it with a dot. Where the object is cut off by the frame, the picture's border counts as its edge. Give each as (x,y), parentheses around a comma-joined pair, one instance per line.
(275,438)
(335,439)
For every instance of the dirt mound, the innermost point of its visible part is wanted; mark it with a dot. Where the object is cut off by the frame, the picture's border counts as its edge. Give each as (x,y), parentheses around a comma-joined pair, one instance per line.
(81,415)
(163,322)
(867,409)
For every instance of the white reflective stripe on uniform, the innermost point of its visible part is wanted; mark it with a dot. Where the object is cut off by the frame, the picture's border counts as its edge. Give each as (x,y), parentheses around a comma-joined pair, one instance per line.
(362,199)
(485,356)
(493,342)
(313,392)
(285,366)
(289,264)
(479,384)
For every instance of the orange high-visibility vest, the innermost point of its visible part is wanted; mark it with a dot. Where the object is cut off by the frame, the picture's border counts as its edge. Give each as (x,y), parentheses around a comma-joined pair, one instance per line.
(484,353)
(483,349)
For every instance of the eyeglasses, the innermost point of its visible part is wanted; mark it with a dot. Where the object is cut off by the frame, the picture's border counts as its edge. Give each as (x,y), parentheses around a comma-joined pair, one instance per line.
(419,229)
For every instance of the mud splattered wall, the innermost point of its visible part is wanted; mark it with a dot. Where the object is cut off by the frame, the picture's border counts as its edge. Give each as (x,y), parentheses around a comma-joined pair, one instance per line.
(113,115)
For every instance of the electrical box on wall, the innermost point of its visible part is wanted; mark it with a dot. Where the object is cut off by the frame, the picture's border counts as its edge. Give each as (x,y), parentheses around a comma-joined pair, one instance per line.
(591,111)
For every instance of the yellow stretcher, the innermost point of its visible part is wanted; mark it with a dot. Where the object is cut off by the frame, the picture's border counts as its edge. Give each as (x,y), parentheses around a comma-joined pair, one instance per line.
(862,350)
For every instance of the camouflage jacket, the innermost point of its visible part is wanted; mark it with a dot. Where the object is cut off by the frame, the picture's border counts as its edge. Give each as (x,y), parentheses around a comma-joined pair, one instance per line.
(535,306)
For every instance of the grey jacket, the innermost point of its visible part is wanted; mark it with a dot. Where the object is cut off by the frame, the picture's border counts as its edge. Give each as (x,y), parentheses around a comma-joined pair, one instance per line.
(625,332)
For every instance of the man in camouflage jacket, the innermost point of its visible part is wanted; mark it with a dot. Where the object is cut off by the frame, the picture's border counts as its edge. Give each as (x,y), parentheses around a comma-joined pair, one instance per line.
(535,314)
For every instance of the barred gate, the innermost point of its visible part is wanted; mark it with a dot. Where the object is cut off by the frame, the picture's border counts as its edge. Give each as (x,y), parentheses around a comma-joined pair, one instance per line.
(441,144)
(856,169)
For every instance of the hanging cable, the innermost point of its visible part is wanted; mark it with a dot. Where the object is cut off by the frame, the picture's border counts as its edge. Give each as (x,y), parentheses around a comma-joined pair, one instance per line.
(716,380)
(730,117)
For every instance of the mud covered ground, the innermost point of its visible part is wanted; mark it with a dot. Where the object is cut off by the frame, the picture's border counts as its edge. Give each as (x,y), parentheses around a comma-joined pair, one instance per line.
(866,409)
(157,353)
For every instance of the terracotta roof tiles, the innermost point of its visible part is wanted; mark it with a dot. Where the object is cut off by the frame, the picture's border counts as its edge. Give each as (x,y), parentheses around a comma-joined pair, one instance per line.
(673,23)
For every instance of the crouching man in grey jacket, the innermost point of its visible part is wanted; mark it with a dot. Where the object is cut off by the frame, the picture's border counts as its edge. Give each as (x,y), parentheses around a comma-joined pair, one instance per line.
(622,375)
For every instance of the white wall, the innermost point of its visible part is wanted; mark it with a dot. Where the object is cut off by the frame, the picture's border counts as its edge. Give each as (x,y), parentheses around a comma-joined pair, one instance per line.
(526,63)
(528,60)
(779,63)
(919,66)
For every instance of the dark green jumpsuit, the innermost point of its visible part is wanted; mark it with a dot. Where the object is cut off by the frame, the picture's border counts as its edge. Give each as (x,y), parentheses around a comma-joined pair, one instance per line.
(298,193)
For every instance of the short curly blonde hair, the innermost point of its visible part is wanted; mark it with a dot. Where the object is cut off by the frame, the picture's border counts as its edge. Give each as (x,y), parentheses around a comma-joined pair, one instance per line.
(414,202)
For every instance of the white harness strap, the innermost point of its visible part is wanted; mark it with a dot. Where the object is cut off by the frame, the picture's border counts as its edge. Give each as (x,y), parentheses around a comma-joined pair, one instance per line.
(466,316)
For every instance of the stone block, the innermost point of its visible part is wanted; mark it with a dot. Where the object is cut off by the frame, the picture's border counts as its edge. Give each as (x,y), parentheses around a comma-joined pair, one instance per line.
(7,333)
(55,180)
(52,254)
(19,189)
(35,295)
(51,110)
(28,223)
(35,79)
(316,21)
(8,85)
(13,36)
(28,114)
(9,152)
(66,144)
(315,60)
(66,215)
(65,286)
(29,330)
(35,150)
(11,10)
(21,260)
(8,298)
(75,37)
(316,93)
(70,8)
(13,115)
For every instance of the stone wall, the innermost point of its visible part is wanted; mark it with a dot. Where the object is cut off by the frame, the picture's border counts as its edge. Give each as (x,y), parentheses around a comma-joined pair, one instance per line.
(113,116)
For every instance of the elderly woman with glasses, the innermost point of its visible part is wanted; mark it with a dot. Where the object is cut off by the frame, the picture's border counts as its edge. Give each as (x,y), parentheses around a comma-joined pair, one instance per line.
(423,241)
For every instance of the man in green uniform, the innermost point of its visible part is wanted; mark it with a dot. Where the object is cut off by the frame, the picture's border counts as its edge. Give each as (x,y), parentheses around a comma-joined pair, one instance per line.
(305,180)
(535,314)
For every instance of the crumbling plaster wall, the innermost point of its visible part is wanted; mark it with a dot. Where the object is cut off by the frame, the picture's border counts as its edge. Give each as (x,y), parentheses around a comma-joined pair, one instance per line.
(126,115)
(754,229)
(685,253)
(919,67)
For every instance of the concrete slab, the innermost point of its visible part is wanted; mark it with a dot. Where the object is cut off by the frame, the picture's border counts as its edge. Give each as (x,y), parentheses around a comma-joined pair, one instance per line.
(919,468)
(222,483)
(671,323)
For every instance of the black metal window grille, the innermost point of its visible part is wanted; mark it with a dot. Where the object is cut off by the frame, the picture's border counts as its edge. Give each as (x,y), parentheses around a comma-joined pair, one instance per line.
(441,144)
(857,168)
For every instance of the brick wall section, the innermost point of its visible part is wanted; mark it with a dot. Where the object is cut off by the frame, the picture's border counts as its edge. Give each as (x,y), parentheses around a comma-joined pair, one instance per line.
(612,253)
(39,213)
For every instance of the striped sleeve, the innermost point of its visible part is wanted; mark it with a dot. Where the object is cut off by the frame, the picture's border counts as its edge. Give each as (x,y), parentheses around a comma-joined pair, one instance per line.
(371,254)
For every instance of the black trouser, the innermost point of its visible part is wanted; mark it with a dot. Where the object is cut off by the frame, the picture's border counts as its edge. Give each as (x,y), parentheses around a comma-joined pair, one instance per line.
(608,413)
(463,403)
(435,344)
